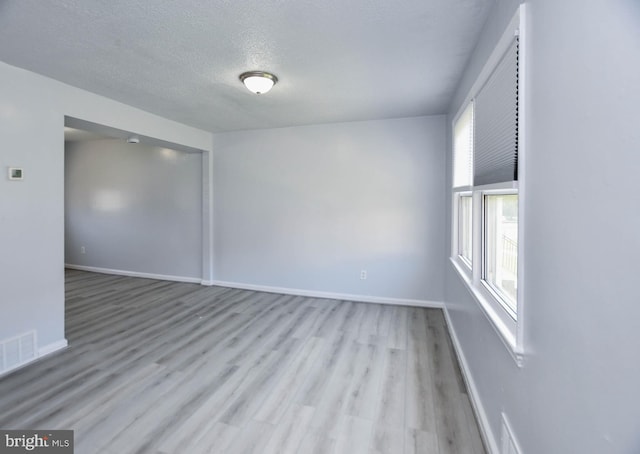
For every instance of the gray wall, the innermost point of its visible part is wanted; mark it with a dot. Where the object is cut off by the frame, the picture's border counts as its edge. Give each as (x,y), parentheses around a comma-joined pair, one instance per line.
(309,207)
(133,207)
(32,111)
(578,390)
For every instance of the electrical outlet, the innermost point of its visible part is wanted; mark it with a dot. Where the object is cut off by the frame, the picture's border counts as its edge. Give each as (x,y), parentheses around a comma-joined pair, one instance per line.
(82,250)
(363,275)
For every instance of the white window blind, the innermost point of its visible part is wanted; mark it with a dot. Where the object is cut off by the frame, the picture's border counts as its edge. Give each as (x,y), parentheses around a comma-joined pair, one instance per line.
(463,149)
(495,157)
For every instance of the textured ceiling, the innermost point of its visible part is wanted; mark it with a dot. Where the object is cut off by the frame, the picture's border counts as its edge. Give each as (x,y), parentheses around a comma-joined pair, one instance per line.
(337,60)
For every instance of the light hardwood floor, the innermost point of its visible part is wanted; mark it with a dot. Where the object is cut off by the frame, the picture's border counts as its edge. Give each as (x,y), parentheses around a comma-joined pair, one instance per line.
(164,367)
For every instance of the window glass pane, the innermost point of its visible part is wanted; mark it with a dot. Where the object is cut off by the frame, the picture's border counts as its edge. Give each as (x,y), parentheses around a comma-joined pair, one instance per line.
(501,247)
(465,228)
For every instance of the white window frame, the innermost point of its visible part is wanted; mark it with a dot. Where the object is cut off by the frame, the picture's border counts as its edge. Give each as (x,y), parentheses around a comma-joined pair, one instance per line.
(508,327)
(467,261)
(456,247)
(463,190)
(510,189)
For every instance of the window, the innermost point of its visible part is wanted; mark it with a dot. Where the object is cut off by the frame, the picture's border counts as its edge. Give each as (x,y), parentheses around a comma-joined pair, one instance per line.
(501,244)
(487,188)
(465,229)
(462,181)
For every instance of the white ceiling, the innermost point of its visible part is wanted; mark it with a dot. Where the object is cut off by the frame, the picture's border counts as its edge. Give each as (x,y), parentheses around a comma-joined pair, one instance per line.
(337,60)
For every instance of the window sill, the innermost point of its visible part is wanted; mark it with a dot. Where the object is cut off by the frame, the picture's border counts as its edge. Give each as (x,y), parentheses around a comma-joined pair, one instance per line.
(506,330)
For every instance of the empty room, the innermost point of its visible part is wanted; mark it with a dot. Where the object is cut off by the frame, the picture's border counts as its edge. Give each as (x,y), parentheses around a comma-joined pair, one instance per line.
(319,227)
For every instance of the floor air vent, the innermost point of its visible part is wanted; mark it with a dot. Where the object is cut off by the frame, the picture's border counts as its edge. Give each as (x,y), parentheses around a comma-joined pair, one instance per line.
(17,351)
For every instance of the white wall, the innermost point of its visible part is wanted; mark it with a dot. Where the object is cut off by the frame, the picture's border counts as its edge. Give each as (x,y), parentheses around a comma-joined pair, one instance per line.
(578,390)
(134,208)
(32,110)
(310,207)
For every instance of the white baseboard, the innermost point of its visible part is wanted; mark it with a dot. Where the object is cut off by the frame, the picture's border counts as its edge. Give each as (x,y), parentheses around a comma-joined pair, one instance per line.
(485,428)
(162,277)
(266,288)
(329,295)
(52,347)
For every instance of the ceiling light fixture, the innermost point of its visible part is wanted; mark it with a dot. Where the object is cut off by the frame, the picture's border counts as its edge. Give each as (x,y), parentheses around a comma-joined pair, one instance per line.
(258,82)
(133,139)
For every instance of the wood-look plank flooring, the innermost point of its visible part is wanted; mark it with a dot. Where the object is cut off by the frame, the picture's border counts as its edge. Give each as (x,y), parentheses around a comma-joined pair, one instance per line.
(162,367)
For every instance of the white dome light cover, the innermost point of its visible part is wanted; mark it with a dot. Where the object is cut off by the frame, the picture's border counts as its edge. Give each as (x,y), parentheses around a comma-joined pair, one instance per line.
(258,82)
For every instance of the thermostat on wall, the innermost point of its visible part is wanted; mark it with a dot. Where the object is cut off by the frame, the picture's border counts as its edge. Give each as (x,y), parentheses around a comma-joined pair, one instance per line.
(15,173)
